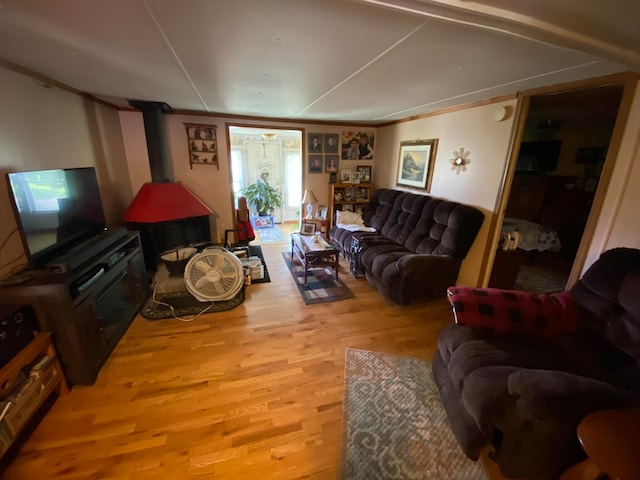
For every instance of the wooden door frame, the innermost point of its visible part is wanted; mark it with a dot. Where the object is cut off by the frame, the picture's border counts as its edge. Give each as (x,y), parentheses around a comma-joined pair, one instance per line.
(628,82)
(260,126)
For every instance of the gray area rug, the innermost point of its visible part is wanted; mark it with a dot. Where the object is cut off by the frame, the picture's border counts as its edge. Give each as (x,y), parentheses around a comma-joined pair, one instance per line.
(394,425)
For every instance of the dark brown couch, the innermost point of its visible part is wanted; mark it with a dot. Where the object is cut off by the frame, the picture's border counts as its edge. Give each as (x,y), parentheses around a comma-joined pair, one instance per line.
(418,247)
(505,381)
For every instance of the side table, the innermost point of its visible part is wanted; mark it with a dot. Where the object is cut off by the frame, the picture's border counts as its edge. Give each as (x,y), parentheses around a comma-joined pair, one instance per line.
(359,242)
(610,438)
(354,265)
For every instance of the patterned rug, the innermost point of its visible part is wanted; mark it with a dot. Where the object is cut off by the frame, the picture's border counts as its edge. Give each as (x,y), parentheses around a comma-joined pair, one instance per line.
(394,425)
(321,283)
(270,235)
(181,304)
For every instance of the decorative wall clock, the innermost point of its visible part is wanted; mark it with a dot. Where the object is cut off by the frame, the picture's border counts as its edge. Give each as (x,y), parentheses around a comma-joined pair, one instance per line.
(460,160)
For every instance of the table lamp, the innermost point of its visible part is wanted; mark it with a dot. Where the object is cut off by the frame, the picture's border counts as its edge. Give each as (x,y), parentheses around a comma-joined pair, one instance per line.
(309,198)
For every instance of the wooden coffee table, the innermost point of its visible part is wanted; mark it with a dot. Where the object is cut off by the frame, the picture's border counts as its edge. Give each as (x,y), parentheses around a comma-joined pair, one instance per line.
(313,255)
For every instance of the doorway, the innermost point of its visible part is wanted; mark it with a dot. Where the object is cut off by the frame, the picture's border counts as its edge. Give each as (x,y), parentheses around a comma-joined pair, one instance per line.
(560,159)
(270,154)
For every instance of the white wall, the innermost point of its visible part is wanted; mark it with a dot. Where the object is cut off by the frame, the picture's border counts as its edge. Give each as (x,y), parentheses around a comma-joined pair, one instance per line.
(474,129)
(619,221)
(44,128)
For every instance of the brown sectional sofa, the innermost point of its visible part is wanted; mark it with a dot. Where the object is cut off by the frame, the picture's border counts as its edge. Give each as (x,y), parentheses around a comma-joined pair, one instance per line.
(418,247)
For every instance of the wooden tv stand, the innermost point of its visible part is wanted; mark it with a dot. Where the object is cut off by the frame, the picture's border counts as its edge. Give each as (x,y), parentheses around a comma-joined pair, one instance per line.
(89,309)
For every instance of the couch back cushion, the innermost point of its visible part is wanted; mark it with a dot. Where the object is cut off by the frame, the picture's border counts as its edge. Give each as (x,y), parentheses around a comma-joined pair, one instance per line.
(425,224)
(381,207)
(610,290)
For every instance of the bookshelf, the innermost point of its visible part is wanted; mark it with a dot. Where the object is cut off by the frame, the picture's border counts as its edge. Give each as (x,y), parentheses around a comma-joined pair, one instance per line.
(347,196)
(22,395)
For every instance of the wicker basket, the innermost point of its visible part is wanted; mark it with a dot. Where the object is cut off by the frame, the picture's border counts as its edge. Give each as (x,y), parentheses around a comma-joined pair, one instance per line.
(175,260)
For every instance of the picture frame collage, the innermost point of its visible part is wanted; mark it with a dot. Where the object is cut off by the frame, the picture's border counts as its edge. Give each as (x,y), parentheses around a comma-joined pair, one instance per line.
(323,152)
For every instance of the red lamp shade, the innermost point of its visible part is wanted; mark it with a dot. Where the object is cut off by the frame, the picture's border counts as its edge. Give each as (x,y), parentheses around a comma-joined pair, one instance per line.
(163,202)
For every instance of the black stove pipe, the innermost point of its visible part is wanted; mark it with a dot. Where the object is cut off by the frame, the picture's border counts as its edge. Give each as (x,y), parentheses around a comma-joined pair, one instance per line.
(154,131)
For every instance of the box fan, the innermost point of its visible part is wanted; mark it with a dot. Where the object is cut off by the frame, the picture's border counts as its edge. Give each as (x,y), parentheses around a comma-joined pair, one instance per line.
(213,275)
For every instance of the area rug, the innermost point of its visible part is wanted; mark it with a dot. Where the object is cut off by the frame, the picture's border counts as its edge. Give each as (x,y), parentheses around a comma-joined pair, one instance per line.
(321,283)
(394,425)
(181,304)
(270,235)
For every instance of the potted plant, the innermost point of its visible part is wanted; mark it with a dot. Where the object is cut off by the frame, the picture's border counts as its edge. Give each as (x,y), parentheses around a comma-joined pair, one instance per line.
(263,197)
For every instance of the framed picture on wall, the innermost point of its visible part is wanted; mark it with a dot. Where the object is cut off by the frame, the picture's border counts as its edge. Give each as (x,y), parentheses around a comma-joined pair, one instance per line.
(415,163)
(314,142)
(331,163)
(357,145)
(315,163)
(331,142)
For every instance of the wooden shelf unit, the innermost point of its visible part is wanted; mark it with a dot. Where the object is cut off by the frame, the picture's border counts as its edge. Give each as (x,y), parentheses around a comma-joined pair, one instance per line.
(51,380)
(347,196)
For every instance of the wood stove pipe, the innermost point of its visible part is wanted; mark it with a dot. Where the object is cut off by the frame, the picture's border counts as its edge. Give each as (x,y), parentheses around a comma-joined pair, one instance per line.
(154,132)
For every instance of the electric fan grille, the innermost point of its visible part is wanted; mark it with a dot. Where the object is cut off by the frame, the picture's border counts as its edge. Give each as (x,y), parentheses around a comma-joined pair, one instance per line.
(213,275)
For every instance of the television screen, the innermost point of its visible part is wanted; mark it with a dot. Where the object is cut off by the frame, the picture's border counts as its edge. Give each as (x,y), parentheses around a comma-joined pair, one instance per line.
(538,157)
(56,210)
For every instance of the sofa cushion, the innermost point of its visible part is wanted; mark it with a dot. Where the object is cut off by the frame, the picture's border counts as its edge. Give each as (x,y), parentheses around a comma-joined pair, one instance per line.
(514,312)
(475,354)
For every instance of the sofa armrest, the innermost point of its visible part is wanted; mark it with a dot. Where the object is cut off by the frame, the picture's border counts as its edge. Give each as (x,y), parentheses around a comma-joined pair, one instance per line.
(511,312)
(565,398)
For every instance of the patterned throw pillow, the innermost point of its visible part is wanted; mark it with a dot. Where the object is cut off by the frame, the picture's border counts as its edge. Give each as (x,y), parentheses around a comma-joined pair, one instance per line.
(514,312)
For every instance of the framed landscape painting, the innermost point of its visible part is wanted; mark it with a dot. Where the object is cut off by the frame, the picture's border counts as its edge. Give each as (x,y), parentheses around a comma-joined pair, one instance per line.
(415,165)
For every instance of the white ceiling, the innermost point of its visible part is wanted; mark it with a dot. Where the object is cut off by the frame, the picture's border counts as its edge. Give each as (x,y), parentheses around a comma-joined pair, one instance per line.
(326,60)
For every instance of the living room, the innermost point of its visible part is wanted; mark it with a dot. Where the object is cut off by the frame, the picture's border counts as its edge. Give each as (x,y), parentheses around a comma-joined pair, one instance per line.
(95,432)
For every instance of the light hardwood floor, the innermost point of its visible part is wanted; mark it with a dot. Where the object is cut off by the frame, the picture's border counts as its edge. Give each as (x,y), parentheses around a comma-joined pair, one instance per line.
(255,392)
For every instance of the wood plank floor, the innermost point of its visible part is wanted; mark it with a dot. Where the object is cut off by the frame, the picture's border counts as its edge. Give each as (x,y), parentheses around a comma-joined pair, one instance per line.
(255,392)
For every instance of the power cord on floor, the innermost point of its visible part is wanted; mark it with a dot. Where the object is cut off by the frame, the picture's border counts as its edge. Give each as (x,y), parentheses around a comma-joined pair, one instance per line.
(173,311)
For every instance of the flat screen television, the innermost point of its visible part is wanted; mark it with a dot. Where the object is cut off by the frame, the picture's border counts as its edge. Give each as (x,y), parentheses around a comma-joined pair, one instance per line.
(56,210)
(538,157)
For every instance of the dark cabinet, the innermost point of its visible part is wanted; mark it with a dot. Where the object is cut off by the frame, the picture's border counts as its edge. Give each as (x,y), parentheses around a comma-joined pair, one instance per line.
(88,310)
